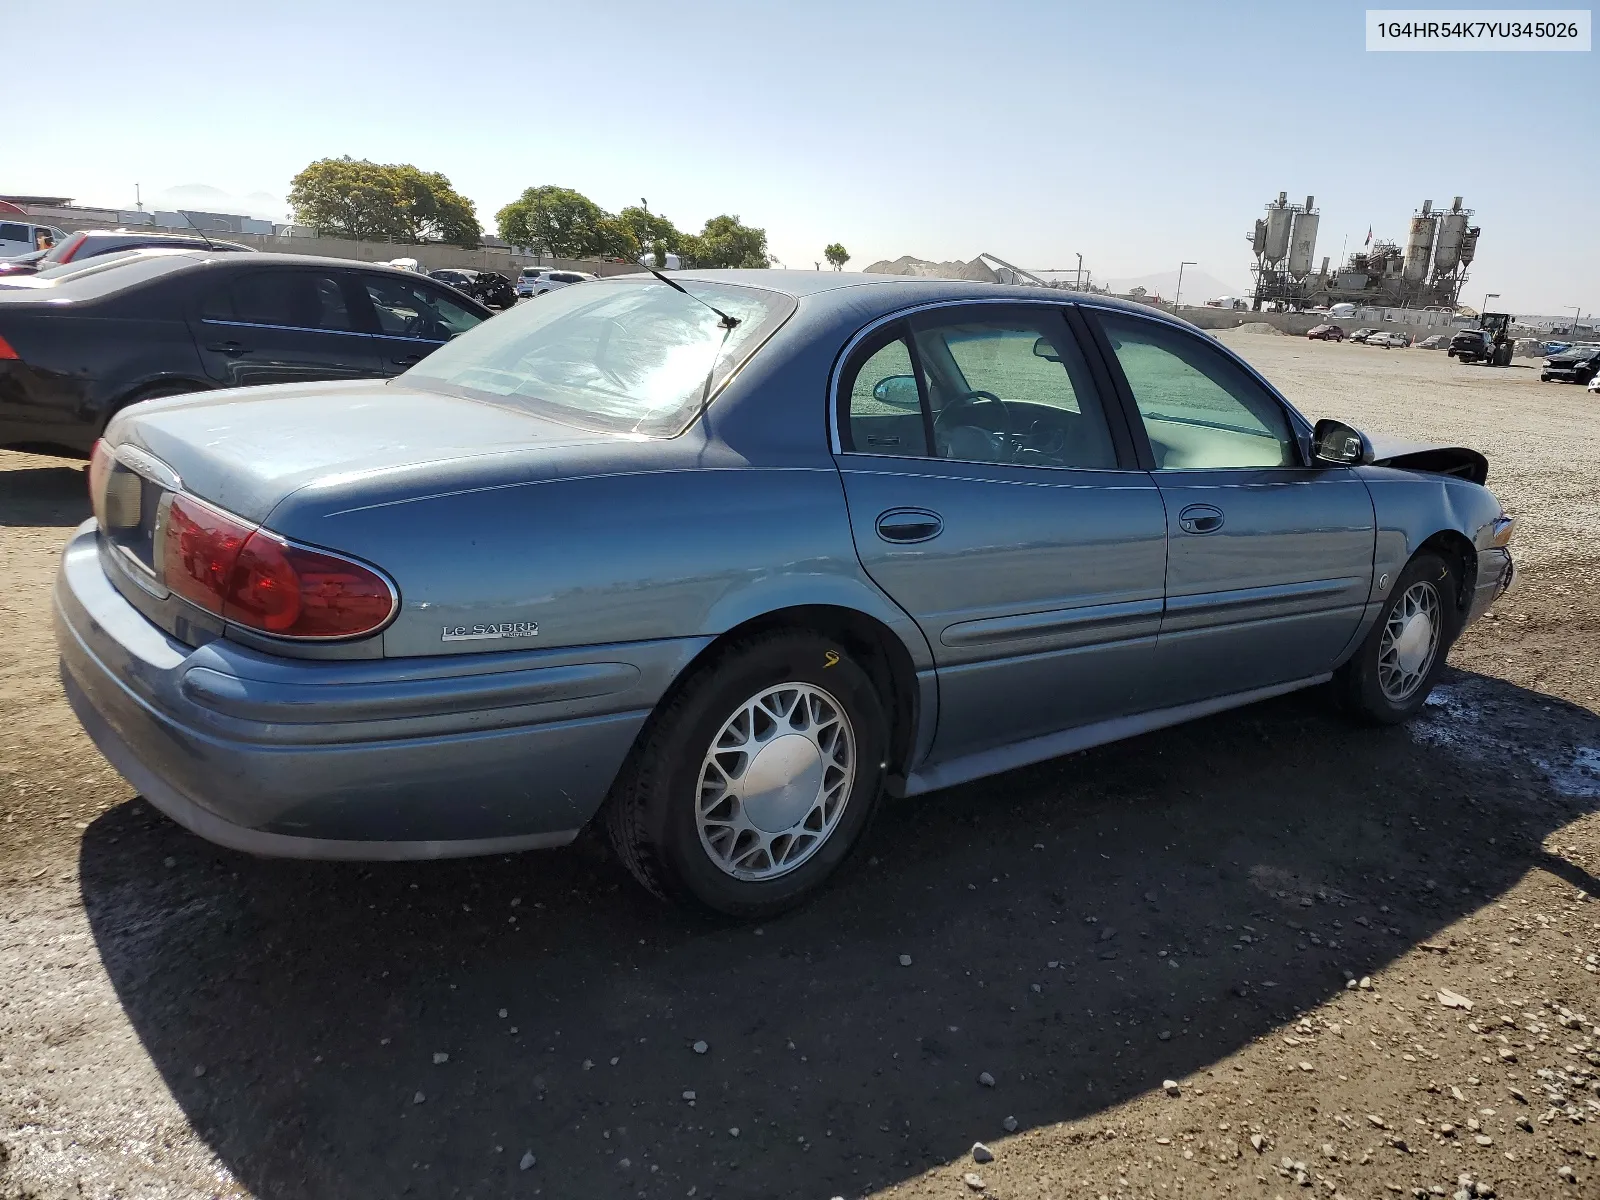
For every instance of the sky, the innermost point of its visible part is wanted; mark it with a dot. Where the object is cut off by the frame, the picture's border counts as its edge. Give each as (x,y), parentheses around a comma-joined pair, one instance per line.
(1137,134)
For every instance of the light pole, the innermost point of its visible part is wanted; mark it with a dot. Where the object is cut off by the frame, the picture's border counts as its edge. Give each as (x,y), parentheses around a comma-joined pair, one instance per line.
(1487,296)
(1577,311)
(1179,294)
(1079,286)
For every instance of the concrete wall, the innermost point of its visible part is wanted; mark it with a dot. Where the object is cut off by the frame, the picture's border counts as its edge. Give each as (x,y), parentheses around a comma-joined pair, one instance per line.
(430,257)
(1417,324)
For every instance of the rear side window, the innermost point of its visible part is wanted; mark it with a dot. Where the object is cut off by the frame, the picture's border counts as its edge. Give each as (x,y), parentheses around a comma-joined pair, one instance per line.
(292,299)
(15,233)
(884,414)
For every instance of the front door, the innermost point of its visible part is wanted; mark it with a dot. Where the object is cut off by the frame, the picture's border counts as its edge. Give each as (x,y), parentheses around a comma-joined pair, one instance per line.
(1269,561)
(995,500)
(413,319)
(283,325)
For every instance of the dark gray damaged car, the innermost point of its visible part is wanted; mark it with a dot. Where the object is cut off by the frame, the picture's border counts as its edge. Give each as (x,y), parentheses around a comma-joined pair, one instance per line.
(720,563)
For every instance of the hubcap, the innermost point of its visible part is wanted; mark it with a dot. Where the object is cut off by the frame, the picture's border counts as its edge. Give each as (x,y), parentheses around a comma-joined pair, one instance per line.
(775,781)
(1410,642)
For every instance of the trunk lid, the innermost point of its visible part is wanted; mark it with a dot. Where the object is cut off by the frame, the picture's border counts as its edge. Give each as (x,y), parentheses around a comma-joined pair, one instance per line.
(246,450)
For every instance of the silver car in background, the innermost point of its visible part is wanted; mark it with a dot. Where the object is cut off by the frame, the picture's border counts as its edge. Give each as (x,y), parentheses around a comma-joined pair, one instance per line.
(720,559)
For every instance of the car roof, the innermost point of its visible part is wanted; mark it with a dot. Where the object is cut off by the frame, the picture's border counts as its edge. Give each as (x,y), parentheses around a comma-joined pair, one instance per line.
(853,290)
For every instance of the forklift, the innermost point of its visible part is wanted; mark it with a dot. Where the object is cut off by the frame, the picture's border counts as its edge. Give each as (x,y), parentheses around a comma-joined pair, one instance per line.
(1490,343)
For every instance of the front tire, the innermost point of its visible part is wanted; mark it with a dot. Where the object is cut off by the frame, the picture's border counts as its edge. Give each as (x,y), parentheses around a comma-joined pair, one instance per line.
(1388,679)
(756,781)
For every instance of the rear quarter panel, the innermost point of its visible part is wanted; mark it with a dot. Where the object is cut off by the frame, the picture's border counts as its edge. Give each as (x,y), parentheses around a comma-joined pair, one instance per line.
(674,549)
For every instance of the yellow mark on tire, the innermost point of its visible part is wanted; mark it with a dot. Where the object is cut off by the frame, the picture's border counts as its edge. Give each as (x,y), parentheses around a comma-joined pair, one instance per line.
(830,658)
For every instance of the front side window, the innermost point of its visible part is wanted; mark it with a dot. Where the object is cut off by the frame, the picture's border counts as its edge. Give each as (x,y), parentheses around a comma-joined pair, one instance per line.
(627,355)
(1199,409)
(1011,388)
(291,299)
(406,310)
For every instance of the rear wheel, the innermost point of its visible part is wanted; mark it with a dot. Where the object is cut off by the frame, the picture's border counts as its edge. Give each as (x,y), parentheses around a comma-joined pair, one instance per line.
(1390,676)
(757,780)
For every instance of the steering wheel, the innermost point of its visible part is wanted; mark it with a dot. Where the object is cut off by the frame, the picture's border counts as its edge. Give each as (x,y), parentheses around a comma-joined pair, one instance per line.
(961,403)
(953,418)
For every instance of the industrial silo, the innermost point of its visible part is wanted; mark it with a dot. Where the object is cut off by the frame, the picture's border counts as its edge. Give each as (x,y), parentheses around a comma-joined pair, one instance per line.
(1469,245)
(1258,239)
(1303,240)
(1452,229)
(1419,244)
(1280,218)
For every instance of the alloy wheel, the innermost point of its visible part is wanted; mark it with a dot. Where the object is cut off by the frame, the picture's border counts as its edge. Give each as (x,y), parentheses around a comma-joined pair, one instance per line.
(1410,642)
(775,781)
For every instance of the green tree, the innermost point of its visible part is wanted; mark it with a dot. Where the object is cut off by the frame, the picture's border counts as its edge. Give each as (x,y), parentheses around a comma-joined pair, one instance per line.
(613,239)
(837,255)
(346,197)
(356,198)
(725,242)
(433,210)
(650,229)
(555,220)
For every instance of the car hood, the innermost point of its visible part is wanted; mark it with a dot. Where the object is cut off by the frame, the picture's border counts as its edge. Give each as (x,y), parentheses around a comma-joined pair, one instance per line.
(1438,459)
(247,449)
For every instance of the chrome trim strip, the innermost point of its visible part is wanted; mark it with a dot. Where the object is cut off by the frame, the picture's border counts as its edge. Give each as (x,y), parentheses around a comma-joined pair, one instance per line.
(1042,624)
(147,466)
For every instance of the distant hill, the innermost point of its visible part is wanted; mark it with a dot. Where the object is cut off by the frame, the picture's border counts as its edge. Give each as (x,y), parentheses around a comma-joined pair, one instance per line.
(922,268)
(1198,286)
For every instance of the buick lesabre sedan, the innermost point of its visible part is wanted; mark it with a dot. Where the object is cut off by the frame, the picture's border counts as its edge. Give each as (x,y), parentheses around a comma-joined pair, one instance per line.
(722,559)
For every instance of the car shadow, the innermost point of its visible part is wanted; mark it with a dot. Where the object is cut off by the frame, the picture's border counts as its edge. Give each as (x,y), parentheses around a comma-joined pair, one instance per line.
(1074,929)
(43,497)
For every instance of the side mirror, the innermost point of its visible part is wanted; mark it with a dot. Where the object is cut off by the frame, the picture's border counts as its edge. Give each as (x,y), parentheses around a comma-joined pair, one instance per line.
(1335,444)
(898,391)
(1043,349)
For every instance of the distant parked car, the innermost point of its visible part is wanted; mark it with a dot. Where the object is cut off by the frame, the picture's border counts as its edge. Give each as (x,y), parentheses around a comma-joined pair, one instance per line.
(548,280)
(1578,365)
(486,287)
(1325,333)
(1400,339)
(1437,341)
(76,349)
(1362,334)
(26,237)
(92,243)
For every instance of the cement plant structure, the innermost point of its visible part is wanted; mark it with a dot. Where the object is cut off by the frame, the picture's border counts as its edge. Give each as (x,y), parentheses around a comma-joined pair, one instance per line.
(1427,272)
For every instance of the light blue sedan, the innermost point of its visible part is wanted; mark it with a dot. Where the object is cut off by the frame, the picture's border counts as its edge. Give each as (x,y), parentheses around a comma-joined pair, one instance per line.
(721,558)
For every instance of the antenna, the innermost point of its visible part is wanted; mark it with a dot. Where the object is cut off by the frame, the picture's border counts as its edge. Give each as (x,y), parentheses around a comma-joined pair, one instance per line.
(197,229)
(727,321)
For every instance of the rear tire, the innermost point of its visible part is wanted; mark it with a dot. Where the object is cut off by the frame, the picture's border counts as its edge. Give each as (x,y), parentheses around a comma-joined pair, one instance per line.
(1389,677)
(754,782)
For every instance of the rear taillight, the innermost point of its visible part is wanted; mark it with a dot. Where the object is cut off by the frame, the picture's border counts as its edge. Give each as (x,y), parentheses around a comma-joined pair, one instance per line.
(256,579)
(7,352)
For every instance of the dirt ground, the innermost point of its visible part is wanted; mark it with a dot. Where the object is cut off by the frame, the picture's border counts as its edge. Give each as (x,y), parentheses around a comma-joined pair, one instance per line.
(1367,961)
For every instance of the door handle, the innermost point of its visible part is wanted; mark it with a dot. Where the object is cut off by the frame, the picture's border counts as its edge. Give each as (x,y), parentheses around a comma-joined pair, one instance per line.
(909,525)
(407,360)
(1200,518)
(231,349)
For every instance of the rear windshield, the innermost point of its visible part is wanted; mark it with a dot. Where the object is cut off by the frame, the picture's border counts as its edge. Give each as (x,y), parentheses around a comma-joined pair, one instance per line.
(628,355)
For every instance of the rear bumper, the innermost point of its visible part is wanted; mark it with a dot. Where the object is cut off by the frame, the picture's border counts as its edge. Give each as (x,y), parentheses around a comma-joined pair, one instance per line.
(370,759)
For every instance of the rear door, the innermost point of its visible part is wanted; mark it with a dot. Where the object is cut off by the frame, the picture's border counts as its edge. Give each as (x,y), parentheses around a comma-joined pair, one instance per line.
(1269,560)
(996,499)
(413,318)
(282,325)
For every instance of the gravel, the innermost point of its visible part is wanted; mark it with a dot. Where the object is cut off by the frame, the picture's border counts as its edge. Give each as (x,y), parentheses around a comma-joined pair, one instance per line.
(1288,851)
